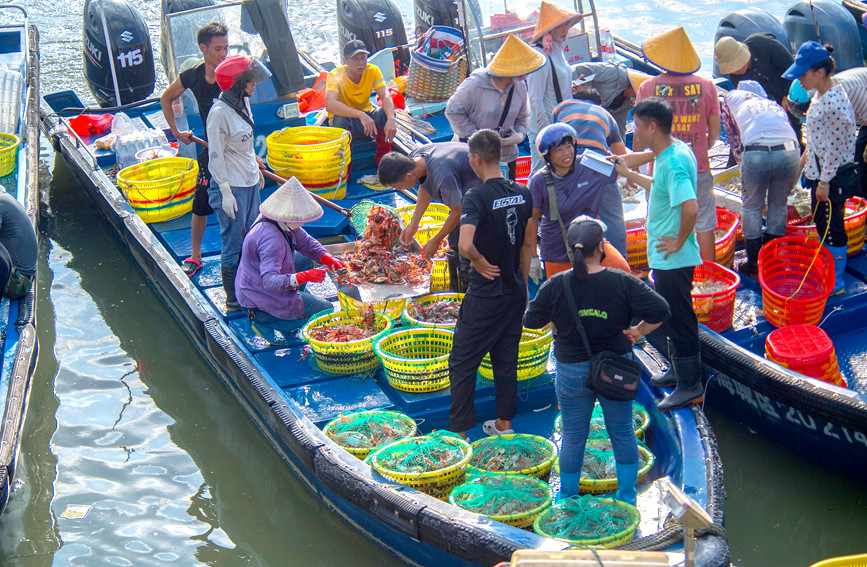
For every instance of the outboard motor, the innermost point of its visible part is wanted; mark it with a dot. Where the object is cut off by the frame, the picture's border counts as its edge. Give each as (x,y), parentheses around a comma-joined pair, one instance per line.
(170,7)
(744,23)
(836,26)
(377,23)
(129,47)
(435,13)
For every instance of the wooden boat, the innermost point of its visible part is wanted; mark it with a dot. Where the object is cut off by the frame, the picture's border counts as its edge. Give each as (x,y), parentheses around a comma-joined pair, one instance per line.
(290,400)
(19,101)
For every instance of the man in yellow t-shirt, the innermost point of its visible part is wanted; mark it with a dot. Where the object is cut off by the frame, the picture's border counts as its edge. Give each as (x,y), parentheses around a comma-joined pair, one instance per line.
(347,96)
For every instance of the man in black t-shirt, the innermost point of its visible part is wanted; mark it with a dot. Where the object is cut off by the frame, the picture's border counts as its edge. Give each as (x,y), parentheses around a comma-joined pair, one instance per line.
(202,81)
(494,236)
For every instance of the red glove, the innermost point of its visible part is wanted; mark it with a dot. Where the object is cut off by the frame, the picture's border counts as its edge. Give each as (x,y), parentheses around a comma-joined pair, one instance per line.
(313,275)
(332,262)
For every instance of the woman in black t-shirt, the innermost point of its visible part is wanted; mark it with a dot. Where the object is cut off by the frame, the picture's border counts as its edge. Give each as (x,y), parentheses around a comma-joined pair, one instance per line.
(607,301)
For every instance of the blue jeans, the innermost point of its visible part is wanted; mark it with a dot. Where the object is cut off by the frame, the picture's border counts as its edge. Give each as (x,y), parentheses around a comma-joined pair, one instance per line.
(771,175)
(312,306)
(576,403)
(611,213)
(232,230)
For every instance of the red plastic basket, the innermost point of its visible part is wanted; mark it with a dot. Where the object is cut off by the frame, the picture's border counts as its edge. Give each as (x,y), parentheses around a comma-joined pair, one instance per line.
(727,222)
(805,349)
(788,297)
(855,222)
(715,310)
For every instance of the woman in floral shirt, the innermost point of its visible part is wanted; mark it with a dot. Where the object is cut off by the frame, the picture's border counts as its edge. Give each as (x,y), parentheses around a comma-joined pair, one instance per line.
(830,137)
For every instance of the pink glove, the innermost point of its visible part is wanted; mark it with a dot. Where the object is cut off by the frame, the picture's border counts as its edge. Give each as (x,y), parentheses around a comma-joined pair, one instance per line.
(313,275)
(332,262)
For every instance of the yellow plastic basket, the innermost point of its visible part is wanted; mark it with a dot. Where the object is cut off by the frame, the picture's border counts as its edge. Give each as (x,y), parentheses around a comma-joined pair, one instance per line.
(435,215)
(611,540)
(603,485)
(540,470)
(160,189)
(359,446)
(533,354)
(859,560)
(392,307)
(438,483)
(469,491)
(9,144)
(416,360)
(408,320)
(439,275)
(352,356)
(318,156)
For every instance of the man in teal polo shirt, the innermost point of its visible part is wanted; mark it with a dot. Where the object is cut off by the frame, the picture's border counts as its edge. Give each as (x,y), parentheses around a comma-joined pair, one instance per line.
(672,248)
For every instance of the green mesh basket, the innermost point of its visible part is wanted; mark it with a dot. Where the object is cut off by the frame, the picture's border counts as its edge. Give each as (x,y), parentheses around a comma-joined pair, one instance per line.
(588,521)
(517,453)
(360,211)
(513,499)
(416,360)
(361,432)
(433,464)
(640,421)
(599,474)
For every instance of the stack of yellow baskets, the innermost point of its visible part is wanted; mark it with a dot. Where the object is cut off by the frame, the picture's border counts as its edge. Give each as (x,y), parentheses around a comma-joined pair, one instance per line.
(318,156)
(160,189)
(430,224)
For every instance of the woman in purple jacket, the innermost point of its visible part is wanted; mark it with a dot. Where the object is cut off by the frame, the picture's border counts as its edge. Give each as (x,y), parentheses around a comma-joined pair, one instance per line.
(277,259)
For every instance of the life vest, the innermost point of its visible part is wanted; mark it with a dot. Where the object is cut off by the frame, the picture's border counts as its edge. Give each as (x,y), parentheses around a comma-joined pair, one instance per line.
(313,98)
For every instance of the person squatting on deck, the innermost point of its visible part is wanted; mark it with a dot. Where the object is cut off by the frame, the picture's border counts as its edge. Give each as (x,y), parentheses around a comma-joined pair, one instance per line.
(201,80)
(672,250)
(616,84)
(552,84)
(443,174)
(830,135)
(234,165)
(496,239)
(561,191)
(18,248)
(607,301)
(347,98)
(495,97)
(763,142)
(277,260)
(696,117)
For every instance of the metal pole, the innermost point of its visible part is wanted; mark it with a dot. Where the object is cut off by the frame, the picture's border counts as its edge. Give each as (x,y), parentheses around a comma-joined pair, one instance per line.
(109,54)
(689,545)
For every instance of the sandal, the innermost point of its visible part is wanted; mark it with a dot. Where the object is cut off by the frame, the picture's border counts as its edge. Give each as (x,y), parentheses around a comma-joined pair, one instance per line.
(490,428)
(191,266)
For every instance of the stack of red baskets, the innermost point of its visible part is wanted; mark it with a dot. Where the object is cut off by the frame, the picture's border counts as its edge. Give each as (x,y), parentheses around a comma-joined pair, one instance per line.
(797,276)
(805,349)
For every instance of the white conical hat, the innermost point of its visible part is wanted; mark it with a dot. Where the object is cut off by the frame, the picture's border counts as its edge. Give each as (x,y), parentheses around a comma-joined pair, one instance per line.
(291,203)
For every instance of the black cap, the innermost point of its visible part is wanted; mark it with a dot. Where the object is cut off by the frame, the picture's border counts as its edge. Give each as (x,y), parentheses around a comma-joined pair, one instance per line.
(353,47)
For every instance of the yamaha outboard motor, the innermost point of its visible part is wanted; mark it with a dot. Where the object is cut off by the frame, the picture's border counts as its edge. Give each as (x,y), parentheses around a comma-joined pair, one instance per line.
(835,26)
(129,46)
(377,23)
(435,13)
(170,7)
(744,23)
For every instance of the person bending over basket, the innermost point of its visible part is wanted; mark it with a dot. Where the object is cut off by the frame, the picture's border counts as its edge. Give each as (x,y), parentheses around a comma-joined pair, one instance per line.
(233,162)
(495,238)
(276,259)
(607,301)
(830,135)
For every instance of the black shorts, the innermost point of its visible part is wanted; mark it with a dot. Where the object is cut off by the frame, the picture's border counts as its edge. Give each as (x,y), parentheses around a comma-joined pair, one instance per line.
(200,201)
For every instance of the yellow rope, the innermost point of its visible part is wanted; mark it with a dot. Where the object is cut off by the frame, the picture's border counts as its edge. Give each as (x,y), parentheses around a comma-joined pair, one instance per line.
(818,249)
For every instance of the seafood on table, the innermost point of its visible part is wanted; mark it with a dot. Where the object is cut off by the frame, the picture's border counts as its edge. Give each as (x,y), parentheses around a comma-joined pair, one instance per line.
(440,311)
(377,259)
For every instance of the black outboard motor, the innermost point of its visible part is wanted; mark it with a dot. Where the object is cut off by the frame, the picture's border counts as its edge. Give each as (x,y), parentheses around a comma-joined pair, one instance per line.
(744,23)
(377,23)
(170,7)
(130,48)
(435,13)
(834,25)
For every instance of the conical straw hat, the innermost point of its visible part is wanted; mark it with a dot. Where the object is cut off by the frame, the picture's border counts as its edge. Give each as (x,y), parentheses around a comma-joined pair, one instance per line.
(551,16)
(515,59)
(673,51)
(636,78)
(291,203)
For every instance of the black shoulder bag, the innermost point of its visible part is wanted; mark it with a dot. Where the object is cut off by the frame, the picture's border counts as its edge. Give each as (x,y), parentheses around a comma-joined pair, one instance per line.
(846,184)
(612,376)
(506,107)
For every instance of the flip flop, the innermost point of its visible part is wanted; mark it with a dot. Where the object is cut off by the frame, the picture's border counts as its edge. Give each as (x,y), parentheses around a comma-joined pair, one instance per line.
(490,428)
(191,266)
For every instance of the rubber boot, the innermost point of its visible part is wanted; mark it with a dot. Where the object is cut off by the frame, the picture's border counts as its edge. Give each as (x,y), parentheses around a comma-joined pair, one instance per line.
(750,267)
(568,485)
(689,387)
(228,275)
(627,477)
(456,282)
(268,333)
(839,253)
(767,237)
(667,378)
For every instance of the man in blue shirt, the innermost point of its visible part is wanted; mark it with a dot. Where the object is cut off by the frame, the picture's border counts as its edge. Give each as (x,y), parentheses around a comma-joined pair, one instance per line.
(672,248)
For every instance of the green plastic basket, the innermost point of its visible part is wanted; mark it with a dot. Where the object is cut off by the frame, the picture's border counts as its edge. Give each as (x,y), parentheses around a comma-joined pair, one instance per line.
(517,453)
(588,521)
(513,499)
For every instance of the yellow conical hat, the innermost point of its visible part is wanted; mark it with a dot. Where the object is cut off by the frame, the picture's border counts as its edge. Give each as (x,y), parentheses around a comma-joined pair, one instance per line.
(291,203)
(515,59)
(673,51)
(551,16)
